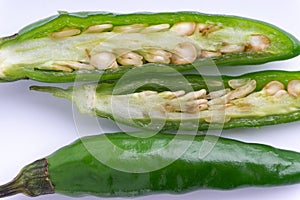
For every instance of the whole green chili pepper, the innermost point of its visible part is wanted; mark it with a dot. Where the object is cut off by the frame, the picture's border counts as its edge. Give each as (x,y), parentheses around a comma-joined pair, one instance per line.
(87,44)
(76,170)
(250,100)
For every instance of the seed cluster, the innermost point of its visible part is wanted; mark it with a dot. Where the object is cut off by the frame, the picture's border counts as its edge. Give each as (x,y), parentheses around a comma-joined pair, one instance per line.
(217,101)
(183,53)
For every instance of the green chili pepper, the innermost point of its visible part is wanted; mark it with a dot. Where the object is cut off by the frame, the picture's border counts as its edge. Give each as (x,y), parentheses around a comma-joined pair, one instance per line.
(191,102)
(86,45)
(76,170)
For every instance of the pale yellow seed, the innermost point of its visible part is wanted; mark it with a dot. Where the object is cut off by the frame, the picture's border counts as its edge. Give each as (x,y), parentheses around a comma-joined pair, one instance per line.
(75,65)
(148,93)
(205,29)
(168,95)
(65,33)
(98,28)
(114,65)
(179,93)
(103,60)
(218,93)
(158,56)
(196,102)
(156,28)
(201,27)
(258,43)
(231,48)
(234,94)
(203,107)
(294,88)
(273,87)
(184,53)
(220,100)
(193,95)
(189,106)
(134,28)
(209,54)
(184,28)
(130,59)
(280,93)
(235,83)
(195,108)
(61,68)
(243,91)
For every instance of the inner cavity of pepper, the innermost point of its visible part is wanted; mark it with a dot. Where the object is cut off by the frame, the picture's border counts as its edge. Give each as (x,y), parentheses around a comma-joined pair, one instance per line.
(105,46)
(240,99)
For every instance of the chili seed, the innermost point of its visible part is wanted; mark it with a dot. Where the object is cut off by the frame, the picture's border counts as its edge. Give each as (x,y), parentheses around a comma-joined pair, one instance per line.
(148,93)
(258,42)
(294,88)
(75,65)
(103,60)
(184,53)
(273,87)
(186,104)
(59,68)
(169,94)
(218,93)
(206,29)
(184,28)
(194,95)
(158,56)
(130,58)
(65,33)
(280,93)
(156,28)
(194,108)
(209,54)
(134,28)
(243,91)
(179,93)
(219,101)
(98,28)
(230,48)
(235,83)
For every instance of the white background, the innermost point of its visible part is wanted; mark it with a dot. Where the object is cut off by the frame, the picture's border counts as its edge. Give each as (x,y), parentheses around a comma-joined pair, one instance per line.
(33,125)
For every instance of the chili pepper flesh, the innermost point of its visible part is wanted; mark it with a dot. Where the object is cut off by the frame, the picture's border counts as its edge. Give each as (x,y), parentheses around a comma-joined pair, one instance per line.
(74,170)
(86,45)
(251,100)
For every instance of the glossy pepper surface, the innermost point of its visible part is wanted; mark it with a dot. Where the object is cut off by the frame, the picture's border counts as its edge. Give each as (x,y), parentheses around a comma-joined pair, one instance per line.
(191,102)
(162,163)
(84,45)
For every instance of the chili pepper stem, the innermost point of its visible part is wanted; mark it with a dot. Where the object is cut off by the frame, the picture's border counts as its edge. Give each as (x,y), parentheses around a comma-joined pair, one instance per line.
(11,188)
(32,181)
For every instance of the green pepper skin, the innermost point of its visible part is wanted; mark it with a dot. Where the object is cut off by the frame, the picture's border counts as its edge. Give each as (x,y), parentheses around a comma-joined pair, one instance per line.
(74,171)
(285,45)
(160,83)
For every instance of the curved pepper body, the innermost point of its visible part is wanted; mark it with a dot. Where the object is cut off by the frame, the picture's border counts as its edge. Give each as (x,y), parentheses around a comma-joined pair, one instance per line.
(262,98)
(76,170)
(71,46)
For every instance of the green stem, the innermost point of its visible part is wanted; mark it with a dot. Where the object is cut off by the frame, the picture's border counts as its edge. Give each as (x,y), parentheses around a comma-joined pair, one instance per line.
(32,181)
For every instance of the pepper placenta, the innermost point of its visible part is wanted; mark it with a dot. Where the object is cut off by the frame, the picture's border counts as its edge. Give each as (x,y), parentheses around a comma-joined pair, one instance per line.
(194,102)
(84,45)
(78,169)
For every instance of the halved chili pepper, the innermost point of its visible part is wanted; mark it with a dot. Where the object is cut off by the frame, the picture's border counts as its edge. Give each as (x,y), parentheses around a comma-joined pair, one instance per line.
(193,102)
(86,166)
(86,45)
